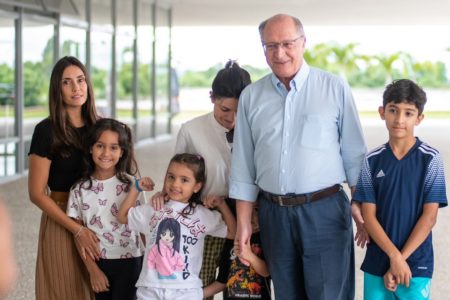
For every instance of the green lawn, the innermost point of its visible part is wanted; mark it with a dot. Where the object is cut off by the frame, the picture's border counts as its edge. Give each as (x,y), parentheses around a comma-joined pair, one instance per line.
(428,114)
(41,112)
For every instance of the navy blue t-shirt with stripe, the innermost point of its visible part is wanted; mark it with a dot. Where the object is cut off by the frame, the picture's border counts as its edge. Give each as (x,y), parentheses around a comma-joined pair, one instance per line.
(399,189)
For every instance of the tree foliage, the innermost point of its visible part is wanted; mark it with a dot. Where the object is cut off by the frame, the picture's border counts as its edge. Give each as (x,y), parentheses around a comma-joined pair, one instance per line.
(360,70)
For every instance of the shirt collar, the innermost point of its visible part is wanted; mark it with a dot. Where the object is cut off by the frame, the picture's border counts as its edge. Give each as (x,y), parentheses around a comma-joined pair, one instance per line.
(217,126)
(298,80)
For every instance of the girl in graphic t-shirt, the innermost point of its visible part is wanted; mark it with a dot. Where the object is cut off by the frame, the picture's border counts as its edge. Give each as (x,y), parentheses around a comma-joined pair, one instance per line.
(174,259)
(94,201)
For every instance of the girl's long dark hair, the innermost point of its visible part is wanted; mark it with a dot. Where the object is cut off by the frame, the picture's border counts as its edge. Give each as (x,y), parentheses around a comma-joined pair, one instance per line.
(65,136)
(127,162)
(196,163)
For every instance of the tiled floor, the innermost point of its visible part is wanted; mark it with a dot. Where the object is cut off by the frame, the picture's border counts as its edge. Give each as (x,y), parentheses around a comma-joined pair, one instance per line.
(153,158)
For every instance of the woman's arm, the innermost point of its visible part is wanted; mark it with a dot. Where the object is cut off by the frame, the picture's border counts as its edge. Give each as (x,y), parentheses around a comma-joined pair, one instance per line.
(398,266)
(39,170)
(99,281)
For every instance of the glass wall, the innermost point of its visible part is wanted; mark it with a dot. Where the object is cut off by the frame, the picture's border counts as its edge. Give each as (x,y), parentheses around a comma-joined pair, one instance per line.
(125,38)
(162,70)
(145,38)
(101,55)
(131,80)
(38,58)
(8,135)
(73,42)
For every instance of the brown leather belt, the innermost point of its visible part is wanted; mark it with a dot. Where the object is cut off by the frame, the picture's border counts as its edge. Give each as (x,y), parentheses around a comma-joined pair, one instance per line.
(292,200)
(60,198)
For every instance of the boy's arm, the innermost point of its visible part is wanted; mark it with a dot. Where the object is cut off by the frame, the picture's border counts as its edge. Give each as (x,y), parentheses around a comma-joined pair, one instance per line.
(422,229)
(398,266)
(255,261)
(144,184)
(228,218)
(420,232)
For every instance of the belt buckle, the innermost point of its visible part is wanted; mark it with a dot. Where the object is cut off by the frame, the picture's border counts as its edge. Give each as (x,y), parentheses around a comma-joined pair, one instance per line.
(280,200)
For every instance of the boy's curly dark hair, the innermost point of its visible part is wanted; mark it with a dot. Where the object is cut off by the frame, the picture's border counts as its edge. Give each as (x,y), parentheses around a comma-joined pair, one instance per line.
(405,91)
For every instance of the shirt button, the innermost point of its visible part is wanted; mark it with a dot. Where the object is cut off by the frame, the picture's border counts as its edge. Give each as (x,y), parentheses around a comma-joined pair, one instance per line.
(283,171)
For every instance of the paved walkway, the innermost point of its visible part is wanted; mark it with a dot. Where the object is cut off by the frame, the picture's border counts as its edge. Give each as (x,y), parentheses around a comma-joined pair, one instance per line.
(153,158)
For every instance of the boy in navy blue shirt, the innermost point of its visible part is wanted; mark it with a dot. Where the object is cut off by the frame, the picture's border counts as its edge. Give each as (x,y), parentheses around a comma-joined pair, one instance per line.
(401,187)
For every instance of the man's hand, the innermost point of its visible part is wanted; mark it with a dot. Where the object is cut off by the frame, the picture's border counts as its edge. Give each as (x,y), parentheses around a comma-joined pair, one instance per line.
(361,236)
(244,210)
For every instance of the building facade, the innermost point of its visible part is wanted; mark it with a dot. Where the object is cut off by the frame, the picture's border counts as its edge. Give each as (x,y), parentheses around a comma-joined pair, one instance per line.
(126,45)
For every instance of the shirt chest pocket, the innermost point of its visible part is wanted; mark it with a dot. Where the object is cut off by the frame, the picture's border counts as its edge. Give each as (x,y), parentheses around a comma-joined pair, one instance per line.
(317,131)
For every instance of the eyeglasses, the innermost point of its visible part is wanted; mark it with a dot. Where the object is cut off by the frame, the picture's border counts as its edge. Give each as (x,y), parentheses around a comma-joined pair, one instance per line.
(285,45)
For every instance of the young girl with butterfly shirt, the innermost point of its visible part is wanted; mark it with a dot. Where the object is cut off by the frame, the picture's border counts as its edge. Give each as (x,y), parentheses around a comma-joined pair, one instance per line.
(94,201)
(175,234)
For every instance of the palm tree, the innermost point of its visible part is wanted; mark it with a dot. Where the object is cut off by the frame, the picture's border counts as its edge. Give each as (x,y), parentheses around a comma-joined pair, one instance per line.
(345,58)
(387,62)
(318,56)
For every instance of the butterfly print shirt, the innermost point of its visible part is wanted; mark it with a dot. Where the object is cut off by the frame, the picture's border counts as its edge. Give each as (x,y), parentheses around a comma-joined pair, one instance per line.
(97,207)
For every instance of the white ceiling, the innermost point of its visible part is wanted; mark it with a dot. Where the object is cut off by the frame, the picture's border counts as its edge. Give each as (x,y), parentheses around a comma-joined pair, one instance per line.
(311,12)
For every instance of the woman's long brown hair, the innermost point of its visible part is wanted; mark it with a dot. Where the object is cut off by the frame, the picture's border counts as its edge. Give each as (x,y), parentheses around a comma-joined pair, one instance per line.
(65,135)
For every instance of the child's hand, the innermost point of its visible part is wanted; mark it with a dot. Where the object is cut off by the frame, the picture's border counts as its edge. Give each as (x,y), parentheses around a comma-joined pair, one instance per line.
(99,281)
(211,201)
(245,253)
(158,200)
(400,269)
(146,184)
(389,281)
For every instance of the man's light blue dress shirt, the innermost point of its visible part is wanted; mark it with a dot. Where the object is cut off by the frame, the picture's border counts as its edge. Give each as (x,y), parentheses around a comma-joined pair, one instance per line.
(296,141)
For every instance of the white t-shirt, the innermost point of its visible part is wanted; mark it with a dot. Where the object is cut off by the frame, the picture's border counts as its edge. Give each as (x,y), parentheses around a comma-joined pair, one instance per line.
(205,136)
(97,208)
(176,263)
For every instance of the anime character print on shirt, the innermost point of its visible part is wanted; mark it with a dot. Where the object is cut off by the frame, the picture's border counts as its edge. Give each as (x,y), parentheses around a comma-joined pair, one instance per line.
(165,256)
